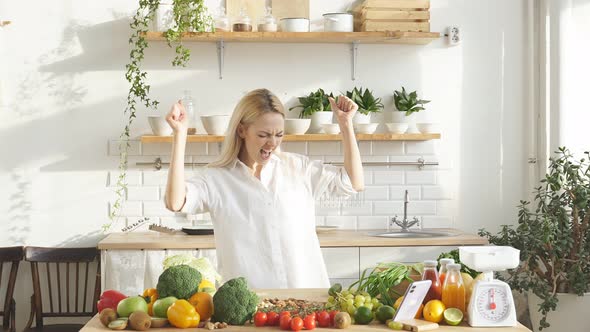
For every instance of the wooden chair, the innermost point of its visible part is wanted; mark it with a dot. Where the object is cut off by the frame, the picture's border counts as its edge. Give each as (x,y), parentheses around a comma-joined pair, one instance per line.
(54,262)
(9,255)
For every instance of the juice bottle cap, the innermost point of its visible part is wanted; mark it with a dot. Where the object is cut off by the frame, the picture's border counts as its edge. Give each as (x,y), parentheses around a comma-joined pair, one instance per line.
(430,263)
(444,261)
(454,266)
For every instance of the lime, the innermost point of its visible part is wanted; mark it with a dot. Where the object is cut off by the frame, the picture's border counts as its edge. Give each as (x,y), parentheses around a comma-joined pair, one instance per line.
(384,313)
(363,315)
(453,316)
(395,325)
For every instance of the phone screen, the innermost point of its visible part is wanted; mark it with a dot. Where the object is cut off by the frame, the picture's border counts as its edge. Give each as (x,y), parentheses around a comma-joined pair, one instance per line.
(415,294)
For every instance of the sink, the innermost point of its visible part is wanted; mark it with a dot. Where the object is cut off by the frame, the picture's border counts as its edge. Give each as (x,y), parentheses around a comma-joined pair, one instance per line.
(412,234)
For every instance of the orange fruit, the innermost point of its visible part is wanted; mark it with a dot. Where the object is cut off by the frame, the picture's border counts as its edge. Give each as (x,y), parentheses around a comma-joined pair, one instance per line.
(203,303)
(398,302)
(434,311)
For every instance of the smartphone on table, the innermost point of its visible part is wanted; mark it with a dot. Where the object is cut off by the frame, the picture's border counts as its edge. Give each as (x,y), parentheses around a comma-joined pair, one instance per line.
(415,294)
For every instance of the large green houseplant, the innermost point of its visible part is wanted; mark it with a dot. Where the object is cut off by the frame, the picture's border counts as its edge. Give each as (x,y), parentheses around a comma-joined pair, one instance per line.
(189,15)
(554,237)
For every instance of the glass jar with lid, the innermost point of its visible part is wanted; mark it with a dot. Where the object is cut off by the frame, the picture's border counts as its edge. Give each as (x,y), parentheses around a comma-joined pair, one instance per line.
(267,23)
(242,23)
(222,21)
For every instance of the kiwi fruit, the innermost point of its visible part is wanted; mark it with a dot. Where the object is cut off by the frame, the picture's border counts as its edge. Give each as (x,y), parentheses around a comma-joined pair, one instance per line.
(107,315)
(140,321)
(118,324)
(159,322)
(342,320)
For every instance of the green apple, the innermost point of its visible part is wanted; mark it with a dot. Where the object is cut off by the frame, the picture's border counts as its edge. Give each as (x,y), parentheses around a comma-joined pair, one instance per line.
(131,304)
(161,306)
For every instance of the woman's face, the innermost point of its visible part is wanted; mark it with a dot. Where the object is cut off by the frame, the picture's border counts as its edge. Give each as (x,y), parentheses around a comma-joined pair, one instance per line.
(261,138)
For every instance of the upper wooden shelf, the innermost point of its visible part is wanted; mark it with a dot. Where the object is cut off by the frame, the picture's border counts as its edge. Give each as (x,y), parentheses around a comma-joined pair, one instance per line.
(376,37)
(301,138)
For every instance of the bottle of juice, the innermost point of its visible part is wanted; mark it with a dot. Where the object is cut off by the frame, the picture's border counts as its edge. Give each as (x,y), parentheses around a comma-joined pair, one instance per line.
(430,273)
(453,292)
(442,272)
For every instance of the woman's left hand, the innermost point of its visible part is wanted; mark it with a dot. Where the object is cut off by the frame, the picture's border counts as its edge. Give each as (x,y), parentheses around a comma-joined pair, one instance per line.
(344,108)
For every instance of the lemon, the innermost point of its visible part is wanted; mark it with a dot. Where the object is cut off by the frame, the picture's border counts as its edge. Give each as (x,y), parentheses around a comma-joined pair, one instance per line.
(433,311)
(453,316)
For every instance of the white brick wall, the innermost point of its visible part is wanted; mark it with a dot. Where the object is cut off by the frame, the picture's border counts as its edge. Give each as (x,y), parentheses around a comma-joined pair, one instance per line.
(430,189)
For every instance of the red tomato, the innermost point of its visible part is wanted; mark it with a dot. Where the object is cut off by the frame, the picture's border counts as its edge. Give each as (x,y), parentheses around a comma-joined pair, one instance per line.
(314,314)
(309,322)
(324,319)
(273,318)
(260,319)
(332,314)
(296,324)
(285,322)
(283,313)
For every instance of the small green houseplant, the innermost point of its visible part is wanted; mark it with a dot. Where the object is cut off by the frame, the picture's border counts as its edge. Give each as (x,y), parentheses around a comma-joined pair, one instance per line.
(316,101)
(189,15)
(554,237)
(365,100)
(408,103)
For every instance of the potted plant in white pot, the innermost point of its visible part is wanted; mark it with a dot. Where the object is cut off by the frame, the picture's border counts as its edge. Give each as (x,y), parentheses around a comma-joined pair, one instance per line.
(554,244)
(367,104)
(406,105)
(317,107)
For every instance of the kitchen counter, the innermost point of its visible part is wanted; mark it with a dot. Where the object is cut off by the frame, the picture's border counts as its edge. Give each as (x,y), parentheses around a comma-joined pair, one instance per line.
(94,324)
(335,238)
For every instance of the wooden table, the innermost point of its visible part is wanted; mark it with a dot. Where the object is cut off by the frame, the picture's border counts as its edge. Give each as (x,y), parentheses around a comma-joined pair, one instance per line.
(94,324)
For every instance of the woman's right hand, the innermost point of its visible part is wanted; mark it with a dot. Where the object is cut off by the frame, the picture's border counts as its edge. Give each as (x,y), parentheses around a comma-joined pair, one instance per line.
(177,118)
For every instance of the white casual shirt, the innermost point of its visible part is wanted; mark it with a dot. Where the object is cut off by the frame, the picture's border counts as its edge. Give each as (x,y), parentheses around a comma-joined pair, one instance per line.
(265,229)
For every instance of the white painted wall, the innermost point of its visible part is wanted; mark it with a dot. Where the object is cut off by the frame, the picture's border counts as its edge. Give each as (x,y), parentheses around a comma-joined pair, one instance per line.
(62,93)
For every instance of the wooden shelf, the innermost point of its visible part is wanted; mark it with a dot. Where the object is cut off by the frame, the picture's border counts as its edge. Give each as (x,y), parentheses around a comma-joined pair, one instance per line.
(377,37)
(301,138)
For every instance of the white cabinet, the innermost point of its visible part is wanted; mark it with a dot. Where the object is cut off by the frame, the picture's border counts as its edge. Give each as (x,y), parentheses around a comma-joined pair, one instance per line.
(131,271)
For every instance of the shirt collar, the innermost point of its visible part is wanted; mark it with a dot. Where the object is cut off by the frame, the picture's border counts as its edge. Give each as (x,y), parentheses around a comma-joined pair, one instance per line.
(273,158)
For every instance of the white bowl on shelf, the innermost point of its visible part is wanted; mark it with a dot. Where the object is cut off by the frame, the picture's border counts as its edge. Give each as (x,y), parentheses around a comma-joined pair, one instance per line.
(215,124)
(159,125)
(296,126)
(397,127)
(331,128)
(427,128)
(365,128)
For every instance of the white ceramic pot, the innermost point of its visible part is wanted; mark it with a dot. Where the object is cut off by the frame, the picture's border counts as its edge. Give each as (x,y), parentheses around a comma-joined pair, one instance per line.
(365,128)
(318,119)
(338,22)
(427,128)
(400,117)
(215,124)
(295,24)
(331,128)
(570,314)
(397,127)
(159,125)
(296,126)
(361,118)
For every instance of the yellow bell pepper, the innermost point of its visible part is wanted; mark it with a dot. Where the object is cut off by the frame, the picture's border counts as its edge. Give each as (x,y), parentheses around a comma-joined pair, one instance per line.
(150,295)
(182,314)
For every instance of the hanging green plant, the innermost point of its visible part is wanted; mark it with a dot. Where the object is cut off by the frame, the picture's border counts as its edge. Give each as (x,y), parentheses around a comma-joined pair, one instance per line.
(189,15)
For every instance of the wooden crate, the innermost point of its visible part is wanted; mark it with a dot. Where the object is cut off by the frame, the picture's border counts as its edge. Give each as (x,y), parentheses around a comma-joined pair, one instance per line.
(393,15)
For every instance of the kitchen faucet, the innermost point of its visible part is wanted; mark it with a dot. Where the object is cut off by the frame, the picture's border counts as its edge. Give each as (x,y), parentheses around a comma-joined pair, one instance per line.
(405,224)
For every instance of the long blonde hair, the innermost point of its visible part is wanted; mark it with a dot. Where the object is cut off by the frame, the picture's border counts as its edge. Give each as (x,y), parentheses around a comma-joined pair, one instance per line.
(253,105)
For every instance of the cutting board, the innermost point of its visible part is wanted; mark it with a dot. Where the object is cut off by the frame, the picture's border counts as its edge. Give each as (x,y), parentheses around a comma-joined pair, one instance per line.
(418,325)
(290,8)
(254,9)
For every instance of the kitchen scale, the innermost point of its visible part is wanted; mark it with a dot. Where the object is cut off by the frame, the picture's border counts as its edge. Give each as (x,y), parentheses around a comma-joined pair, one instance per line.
(491,301)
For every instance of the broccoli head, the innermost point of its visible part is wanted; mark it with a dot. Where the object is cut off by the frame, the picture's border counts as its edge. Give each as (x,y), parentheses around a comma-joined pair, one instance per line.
(180,281)
(234,303)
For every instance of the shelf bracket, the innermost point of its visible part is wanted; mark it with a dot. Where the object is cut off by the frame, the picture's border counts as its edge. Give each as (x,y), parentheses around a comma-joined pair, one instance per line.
(220,56)
(354,47)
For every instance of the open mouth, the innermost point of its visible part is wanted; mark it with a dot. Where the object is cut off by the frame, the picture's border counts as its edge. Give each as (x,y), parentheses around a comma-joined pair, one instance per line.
(265,154)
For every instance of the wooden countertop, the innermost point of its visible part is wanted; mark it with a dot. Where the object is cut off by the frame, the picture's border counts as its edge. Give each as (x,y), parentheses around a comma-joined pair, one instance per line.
(336,238)
(94,324)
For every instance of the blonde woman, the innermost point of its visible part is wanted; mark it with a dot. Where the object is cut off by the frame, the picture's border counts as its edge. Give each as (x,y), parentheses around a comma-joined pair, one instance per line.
(261,200)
